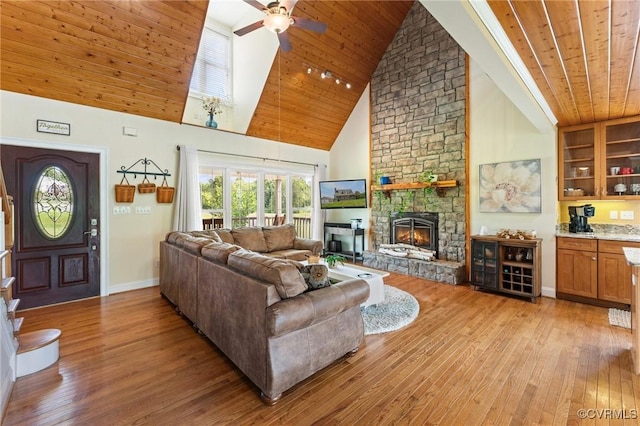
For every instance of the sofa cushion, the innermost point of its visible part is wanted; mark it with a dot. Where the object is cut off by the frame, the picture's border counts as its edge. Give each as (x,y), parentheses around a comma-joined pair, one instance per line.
(208,233)
(279,237)
(250,238)
(291,254)
(315,275)
(283,274)
(178,238)
(194,244)
(225,235)
(219,252)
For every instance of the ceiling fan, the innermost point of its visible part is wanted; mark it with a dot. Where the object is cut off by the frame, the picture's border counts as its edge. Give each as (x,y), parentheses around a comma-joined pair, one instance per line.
(278,18)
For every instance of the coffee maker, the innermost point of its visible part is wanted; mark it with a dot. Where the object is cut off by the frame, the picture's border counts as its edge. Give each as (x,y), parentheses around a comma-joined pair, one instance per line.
(578,218)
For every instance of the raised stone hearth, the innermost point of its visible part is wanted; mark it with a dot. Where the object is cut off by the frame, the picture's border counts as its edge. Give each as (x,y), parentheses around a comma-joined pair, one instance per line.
(443,271)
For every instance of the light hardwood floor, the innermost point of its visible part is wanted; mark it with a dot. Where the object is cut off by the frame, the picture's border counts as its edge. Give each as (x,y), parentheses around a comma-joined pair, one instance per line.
(470,358)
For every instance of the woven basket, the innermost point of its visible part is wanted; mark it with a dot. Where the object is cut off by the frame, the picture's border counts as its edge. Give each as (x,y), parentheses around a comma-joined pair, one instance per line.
(125,193)
(164,194)
(146,187)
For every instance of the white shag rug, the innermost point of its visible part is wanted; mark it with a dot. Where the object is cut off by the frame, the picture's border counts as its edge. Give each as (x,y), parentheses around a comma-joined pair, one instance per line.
(620,318)
(398,310)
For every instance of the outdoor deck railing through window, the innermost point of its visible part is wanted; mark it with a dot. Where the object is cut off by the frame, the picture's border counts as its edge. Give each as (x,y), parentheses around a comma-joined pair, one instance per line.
(301,224)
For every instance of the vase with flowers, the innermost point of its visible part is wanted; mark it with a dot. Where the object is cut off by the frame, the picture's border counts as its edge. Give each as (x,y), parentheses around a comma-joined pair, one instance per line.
(213,106)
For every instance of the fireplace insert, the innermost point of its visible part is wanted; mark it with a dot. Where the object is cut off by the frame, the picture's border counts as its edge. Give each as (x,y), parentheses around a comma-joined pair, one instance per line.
(416,229)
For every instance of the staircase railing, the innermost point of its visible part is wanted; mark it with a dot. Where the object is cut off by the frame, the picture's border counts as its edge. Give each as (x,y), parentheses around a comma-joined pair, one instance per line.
(9,343)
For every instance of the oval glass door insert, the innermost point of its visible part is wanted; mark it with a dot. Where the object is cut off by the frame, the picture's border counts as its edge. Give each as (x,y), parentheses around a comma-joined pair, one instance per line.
(53,202)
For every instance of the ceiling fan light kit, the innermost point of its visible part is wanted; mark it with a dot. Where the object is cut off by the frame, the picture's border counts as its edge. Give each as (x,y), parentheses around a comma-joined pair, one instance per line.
(278,19)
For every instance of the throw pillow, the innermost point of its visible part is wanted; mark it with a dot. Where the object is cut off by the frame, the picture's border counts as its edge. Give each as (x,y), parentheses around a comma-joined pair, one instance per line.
(316,276)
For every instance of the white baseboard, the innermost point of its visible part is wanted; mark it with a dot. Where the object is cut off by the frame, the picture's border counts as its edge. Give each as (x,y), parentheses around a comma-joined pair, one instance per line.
(135,285)
(548,292)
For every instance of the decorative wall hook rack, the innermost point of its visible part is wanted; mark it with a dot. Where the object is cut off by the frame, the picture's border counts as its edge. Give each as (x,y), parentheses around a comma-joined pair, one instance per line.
(146,162)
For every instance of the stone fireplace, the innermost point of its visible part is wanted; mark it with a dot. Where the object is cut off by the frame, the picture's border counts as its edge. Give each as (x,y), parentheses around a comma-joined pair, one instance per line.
(418,122)
(416,229)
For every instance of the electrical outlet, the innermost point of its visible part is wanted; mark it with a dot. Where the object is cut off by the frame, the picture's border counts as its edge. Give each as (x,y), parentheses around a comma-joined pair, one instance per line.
(613,214)
(626,215)
(143,210)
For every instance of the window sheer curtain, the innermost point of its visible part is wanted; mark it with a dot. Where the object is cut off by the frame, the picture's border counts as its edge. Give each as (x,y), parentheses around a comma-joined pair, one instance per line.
(188,212)
(317,233)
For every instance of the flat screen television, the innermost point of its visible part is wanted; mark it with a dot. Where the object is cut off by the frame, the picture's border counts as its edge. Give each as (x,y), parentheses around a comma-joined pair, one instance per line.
(343,194)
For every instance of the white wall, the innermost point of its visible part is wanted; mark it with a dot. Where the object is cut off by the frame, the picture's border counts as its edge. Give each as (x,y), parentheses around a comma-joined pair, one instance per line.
(350,159)
(499,132)
(132,239)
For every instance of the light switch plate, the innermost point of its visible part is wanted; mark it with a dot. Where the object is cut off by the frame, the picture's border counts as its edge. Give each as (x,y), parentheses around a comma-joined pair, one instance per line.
(613,214)
(626,214)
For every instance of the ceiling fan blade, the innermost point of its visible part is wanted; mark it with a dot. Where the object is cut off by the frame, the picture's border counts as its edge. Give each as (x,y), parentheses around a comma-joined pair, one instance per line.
(256,4)
(285,43)
(309,24)
(248,28)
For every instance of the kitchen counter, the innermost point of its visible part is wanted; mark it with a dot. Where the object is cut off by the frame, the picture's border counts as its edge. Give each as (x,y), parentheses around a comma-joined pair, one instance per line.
(632,255)
(600,236)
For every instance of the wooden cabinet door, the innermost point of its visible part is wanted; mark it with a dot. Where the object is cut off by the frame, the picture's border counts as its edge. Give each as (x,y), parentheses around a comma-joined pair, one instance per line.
(614,278)
(578,165)
(577,273)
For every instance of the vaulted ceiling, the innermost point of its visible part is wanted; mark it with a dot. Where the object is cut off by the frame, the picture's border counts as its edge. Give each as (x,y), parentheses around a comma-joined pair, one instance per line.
(137,57)
(583,55)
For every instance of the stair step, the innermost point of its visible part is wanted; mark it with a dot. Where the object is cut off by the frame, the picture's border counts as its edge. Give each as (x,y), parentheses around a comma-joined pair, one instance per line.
(11,309)
(36,339)
(17,324)
(7,283)
(37,351)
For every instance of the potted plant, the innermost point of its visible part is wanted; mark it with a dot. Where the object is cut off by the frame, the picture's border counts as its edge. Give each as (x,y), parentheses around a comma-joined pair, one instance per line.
(429,177)
(332,259)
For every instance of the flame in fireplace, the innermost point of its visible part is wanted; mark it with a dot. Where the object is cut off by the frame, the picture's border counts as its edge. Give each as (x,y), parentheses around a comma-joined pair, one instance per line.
(421,237)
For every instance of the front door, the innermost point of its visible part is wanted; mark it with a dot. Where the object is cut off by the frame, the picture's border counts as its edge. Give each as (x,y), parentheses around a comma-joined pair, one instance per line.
(56,207)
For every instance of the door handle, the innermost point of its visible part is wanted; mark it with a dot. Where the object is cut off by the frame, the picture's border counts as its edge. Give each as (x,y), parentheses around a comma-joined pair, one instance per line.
(93,232)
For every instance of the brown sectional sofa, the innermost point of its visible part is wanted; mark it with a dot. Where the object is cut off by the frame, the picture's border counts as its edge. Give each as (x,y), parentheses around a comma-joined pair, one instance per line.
(257,308)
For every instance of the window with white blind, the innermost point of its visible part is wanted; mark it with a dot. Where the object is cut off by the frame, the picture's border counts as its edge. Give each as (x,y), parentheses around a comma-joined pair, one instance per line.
(212,71)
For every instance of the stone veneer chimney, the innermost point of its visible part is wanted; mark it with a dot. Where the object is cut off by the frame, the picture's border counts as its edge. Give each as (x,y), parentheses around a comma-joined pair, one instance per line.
(418,124)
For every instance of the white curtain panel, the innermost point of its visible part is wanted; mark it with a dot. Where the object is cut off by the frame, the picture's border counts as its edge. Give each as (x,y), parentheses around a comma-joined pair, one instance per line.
(188,208)
(318,219)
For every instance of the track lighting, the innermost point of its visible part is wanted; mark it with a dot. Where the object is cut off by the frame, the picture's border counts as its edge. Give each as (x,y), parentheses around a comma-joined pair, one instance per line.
(327,74)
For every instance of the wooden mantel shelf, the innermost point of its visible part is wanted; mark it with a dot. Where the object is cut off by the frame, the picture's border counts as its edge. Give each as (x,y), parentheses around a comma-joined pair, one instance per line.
(415,185)
(439,186)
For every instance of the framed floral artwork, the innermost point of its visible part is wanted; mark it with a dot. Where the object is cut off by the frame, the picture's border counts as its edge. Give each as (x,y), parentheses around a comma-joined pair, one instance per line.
(511,187)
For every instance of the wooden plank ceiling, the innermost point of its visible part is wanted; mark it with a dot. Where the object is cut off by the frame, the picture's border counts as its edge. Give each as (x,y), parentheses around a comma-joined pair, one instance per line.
(303,109)
(583,55)
(134,56)
(137,57)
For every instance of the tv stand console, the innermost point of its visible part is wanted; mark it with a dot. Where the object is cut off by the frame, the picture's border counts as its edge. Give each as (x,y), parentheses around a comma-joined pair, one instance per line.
(332,229)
